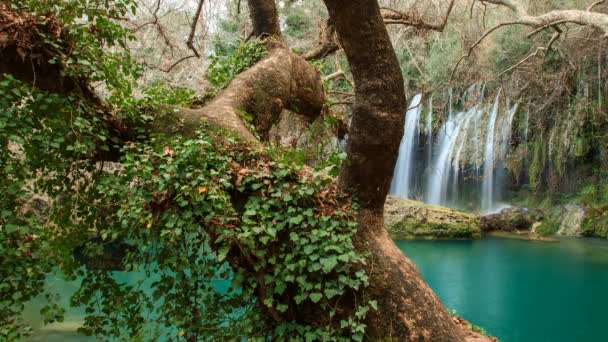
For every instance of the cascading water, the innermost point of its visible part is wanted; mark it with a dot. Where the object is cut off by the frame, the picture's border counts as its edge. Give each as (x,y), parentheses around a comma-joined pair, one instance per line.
(437,186)
(429,132)
(402,177)
(487,187)
(450,167)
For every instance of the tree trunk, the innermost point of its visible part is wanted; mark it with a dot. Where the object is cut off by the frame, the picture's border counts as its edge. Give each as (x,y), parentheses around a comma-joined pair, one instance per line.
(281,80)
(265,18)
(407,308)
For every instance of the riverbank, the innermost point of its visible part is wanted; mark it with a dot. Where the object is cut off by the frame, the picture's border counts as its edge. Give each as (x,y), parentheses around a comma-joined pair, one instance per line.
(408,219)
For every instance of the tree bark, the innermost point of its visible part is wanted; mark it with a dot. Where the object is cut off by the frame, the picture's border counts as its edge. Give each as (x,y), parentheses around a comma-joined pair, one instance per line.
(407,308)
(281,80)
(265,18)
(580,17)
(25,55)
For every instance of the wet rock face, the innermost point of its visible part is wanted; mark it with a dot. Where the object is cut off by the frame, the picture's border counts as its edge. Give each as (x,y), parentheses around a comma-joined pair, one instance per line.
(511,220)
(407,219)
(571,220)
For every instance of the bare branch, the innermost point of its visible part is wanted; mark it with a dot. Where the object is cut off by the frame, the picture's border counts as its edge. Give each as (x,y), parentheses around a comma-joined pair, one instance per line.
(190,41)
(393,17)
(479,42)
(595,4)
(580,17)
(555,36)
(333,76)
(327,44)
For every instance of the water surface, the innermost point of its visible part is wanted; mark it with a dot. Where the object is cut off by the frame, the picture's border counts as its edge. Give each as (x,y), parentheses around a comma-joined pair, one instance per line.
(517,290)
(521,291)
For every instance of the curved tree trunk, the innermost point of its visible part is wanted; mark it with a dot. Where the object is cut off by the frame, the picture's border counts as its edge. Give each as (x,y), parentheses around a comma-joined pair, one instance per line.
(281,80)
(407,308)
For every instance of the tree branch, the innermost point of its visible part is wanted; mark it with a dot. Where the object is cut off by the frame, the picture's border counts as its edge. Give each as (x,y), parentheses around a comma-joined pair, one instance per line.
(580,17)
(327,44)
(595,4)
(190,41)
(535,53)
(394,17)
(479,42)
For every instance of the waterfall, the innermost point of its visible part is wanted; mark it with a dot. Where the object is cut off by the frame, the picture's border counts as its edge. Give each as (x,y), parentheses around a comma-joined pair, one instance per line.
(462,163)
(527,124)
(402,177)
(429,132)
(440,172)
(487,187)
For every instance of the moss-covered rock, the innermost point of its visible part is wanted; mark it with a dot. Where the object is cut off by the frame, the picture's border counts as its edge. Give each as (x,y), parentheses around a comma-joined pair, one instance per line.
(595,222)
(407,219)
(511,219)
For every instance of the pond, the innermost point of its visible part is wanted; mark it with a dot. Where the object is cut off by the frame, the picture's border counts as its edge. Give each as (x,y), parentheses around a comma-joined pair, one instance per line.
(518,290)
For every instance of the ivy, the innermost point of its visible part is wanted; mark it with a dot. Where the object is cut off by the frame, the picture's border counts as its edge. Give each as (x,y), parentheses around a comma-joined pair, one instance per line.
(219,240)
(223,69)
(183,216)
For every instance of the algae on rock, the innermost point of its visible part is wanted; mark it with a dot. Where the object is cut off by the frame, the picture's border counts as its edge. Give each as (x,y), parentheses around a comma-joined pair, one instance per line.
(407,219)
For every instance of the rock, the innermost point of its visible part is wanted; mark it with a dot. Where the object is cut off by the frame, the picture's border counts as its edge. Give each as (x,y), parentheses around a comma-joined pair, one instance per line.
(290,131)
(511,220)
(571,220)
(407,219)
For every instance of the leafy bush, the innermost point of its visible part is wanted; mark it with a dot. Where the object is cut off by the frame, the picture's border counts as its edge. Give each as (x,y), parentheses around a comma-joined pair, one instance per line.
(509,46)
(444,53)
(161,93)
(224,68)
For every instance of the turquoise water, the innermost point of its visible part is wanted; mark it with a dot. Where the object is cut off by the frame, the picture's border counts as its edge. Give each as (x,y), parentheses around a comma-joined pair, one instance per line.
(517,290)
(521,291)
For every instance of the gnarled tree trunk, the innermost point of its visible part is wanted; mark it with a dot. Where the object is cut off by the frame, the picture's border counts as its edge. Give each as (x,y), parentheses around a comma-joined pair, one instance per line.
(408,309)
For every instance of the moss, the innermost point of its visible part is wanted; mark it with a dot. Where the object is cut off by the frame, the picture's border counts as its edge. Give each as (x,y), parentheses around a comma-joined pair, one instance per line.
(549,226)
(596,223)
(538,164)
(406,219)
(411,229)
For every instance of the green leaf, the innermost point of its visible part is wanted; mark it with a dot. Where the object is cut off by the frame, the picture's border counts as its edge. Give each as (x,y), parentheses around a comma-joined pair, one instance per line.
(295,220)
(315,297)
(330,293)
(222,253)
(11,228)
(329,263)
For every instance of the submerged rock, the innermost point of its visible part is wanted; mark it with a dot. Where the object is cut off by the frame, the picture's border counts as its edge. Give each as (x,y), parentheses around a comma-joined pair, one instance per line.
(511,220)
(407,219)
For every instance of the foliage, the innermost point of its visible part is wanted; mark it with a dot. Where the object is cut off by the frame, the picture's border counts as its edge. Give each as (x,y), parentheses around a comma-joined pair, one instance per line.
(35,145)
(538,164)
(551,223)
(161,93)
(47,139)
(508,47)
(93,44)
(173,204)
(227,40)
(443,54)
(193,211)
(224,68)
(596,222)
(297,22)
